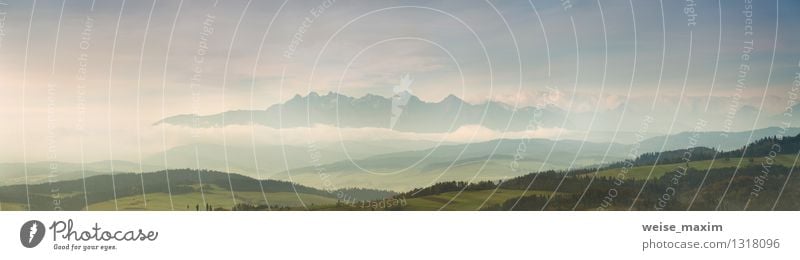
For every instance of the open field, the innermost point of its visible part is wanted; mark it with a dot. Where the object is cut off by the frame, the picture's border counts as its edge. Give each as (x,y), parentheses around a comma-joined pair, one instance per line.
(467,200)
(215,198)
(12,207)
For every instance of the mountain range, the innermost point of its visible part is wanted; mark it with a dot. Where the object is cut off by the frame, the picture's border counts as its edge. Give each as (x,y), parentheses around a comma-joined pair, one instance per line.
(408,113)
(411,115)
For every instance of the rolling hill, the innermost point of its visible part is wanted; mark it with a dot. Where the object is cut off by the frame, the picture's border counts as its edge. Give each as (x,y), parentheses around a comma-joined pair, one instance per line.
(757,178)
(129,190)
(478,161)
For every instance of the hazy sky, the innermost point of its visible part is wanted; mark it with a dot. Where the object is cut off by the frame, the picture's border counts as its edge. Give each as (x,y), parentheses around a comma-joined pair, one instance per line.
(139,58)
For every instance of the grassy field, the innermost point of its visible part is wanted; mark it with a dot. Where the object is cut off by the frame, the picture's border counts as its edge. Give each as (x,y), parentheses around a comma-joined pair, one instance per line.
(467,200)
(216,198)
(641,172)
(12,207)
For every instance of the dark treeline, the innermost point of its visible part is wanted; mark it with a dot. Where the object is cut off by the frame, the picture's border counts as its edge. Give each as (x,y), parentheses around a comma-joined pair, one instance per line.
(761,147)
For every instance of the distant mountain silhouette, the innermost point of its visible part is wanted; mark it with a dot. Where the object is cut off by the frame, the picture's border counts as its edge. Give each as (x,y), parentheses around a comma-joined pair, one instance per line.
(370,110)
(714,139)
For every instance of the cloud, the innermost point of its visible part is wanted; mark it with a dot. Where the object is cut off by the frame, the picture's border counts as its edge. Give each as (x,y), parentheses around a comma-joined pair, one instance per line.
(124,143)
(247,135)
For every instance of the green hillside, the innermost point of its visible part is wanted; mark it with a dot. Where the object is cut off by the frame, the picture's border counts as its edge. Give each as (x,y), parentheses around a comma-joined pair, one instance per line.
(641,172)
(183,186)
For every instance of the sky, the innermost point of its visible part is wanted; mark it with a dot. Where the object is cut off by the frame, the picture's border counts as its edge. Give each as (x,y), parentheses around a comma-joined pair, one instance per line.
(98,74)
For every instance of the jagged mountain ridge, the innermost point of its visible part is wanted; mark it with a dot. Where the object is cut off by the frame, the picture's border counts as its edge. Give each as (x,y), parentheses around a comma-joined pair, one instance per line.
(375,111)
